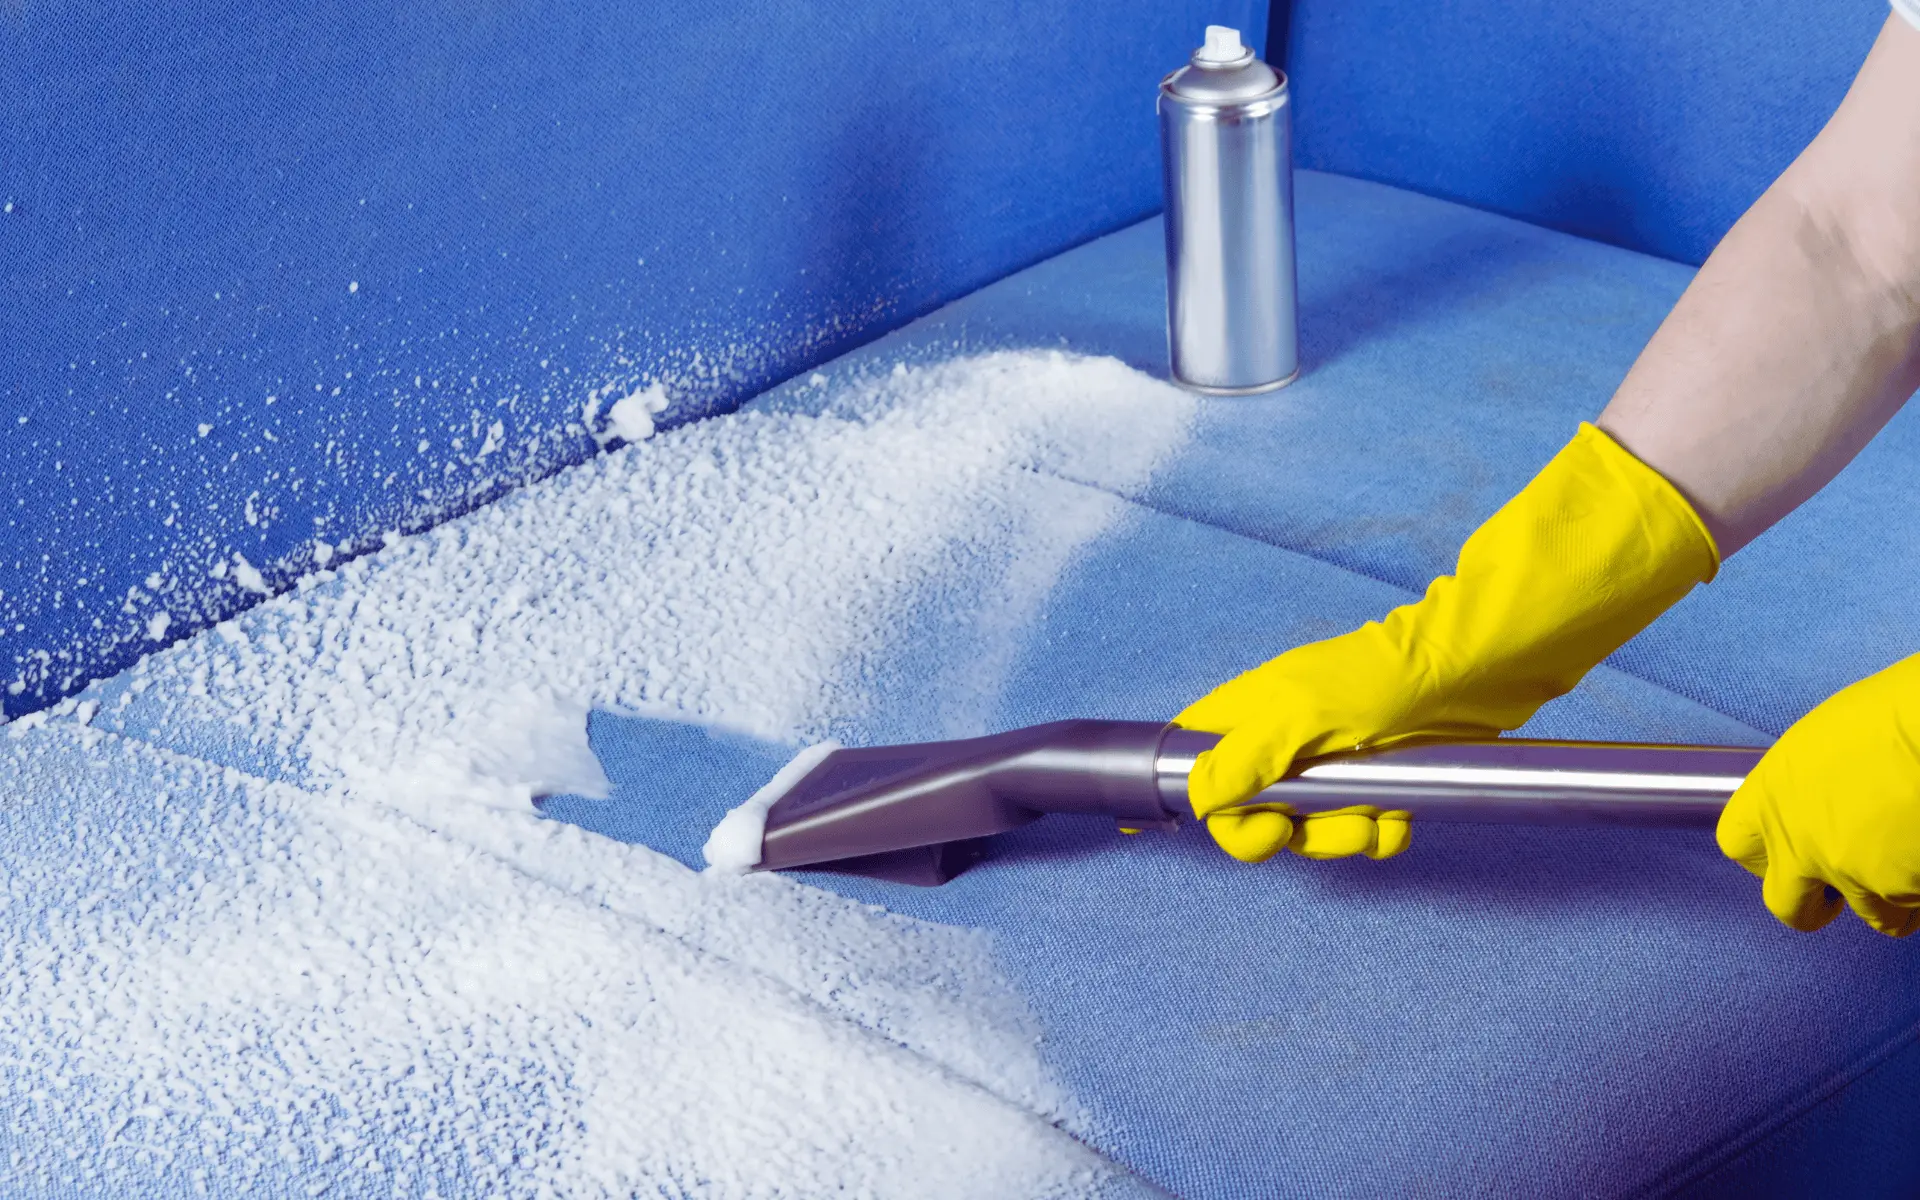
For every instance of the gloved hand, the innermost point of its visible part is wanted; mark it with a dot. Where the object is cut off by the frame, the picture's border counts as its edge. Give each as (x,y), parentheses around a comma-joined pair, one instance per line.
(1836,803)
(1589,552)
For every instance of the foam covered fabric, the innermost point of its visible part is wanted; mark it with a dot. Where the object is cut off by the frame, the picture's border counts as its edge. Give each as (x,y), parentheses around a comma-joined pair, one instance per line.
(1499,1011)
(1599,1012)
(279,276)
(1646,124)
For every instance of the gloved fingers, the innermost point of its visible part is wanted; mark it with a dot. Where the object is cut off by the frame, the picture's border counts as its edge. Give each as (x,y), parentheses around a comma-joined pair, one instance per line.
(1334,835)
(1894,920)
(1739,832)
(1253,836)
(1236,768)
(1394,833)
(1799,901)
(1209,714)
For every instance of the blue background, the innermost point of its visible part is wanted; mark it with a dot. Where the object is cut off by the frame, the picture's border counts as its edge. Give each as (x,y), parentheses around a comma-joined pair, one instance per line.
(1647,124)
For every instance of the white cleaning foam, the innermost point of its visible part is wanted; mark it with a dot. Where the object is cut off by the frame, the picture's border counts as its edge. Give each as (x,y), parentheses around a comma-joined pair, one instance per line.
(271,992)
(733,848)
(387,971)
(507,748)
(631,417)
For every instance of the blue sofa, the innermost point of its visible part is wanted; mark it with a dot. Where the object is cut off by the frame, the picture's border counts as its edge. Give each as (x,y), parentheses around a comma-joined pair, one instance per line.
(373,236)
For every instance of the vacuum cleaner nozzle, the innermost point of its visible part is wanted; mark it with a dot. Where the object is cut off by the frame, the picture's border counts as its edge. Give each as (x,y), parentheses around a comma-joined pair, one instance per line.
(918,814)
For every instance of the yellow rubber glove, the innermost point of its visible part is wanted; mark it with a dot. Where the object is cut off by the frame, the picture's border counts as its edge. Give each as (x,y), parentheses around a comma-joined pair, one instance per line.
(1836,803)
(1589,552)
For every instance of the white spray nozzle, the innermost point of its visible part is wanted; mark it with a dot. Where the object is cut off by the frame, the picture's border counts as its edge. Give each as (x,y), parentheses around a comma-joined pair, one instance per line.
(1223,46)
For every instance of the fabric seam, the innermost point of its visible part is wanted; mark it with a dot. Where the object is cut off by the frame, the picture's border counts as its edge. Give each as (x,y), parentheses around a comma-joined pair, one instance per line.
(1705,1162)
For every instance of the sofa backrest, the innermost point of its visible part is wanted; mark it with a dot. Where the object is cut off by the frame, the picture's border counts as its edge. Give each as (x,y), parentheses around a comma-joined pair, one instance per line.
(1651,124)
(278,274)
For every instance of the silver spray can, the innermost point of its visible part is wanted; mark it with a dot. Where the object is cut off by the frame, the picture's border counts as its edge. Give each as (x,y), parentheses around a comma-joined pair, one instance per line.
(1227,150)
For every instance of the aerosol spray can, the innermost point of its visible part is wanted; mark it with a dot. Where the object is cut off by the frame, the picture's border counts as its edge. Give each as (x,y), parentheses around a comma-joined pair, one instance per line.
(1227,148)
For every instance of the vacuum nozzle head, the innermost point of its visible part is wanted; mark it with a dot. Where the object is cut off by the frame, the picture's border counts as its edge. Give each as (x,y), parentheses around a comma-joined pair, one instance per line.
(918,814)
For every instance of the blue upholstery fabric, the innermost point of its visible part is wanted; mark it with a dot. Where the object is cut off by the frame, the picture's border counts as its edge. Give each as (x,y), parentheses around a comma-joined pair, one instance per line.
(273,273)
(1857,1141)
(1643,123)
(403,225)
(1447,354)
(1498,1012)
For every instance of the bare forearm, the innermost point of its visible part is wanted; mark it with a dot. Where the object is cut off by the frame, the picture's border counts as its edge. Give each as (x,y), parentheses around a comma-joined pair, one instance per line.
(1800,337)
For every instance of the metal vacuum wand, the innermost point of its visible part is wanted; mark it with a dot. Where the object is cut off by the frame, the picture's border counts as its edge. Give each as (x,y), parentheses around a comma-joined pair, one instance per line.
(1503,781)
(916,814)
